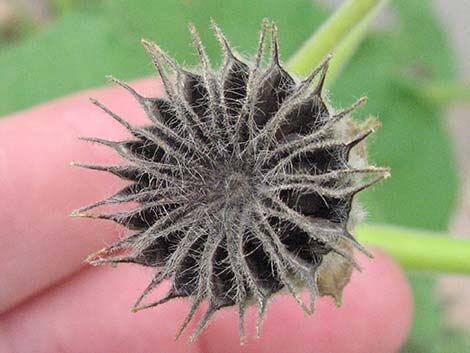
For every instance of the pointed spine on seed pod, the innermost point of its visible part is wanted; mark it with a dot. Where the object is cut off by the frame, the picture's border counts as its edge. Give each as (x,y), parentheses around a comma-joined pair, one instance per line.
(245,183)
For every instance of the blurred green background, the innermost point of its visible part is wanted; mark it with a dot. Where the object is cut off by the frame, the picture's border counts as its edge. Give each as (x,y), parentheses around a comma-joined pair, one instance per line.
(73,44)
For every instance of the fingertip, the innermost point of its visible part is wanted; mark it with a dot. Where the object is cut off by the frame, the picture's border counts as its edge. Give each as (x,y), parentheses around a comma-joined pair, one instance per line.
(94,310)
(91,309)
(39,188)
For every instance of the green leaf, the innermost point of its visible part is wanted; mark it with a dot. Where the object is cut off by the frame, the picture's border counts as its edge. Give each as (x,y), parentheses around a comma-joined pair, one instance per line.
(77,51)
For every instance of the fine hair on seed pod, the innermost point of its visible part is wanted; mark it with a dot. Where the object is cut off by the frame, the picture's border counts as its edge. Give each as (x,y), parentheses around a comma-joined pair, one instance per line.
(245,181)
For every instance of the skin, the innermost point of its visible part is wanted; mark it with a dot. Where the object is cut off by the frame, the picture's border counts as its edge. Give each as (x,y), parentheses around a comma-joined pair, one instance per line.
(51,301)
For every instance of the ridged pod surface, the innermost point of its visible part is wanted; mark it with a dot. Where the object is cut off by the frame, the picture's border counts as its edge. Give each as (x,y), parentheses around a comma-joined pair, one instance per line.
(244,179)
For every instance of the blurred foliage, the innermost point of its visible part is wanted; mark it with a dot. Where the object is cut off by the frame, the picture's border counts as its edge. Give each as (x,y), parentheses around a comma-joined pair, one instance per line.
(102,37)
(79,49)
(20,24)
(63,7)
(412,142)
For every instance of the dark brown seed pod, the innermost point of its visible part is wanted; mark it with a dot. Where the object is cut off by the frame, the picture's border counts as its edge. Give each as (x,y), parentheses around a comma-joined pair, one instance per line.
(245,180)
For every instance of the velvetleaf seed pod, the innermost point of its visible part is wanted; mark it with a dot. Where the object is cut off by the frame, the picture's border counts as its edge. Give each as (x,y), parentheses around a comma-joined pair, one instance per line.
(245,181)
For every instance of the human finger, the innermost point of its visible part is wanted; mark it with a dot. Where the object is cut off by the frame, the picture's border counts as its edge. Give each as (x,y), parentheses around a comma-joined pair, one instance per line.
(90,313)
(40,243)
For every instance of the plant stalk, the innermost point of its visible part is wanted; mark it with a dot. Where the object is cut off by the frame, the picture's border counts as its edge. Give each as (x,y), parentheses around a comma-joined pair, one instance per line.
(445,92)
(351,20)
(418,249)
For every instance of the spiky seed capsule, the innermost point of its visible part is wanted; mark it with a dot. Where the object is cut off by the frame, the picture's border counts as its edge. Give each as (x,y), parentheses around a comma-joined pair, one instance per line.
(245,181)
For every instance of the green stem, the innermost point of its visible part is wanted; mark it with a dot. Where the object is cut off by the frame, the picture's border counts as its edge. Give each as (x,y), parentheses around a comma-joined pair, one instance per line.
(445,92)
(348,46)
(350,20)
(419,250)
